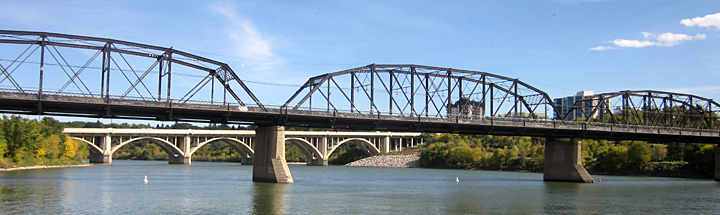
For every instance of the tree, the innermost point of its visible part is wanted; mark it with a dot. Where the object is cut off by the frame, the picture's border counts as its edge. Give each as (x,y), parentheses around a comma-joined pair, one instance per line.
(20,135)
(637,156)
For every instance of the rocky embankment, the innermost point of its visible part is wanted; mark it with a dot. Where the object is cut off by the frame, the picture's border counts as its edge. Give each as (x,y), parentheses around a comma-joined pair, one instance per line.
(398,161)
(43,167)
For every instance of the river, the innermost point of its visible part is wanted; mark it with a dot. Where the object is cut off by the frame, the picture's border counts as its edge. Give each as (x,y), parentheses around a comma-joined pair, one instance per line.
(227,188)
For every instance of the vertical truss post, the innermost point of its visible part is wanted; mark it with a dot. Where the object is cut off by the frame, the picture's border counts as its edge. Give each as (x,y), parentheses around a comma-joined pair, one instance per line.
(412,91)
(42,65)
(169,76)
(516,99)
(102,73)
(108,52)
(391,92)
(372,89)
(225,85)
(460,88)
(599,107)
(212,89)
(352,91)
(328,96)
(160,75)
(625,108)
(492,112)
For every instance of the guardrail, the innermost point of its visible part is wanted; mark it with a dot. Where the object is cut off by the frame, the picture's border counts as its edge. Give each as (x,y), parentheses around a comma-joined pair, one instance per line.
(335,113)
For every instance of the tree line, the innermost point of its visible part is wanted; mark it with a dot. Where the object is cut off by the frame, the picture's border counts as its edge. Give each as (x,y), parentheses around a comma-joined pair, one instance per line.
(29,142)
(490,152)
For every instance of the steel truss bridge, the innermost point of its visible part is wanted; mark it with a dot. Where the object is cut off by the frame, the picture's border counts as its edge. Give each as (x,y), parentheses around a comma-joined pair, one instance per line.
(68,75)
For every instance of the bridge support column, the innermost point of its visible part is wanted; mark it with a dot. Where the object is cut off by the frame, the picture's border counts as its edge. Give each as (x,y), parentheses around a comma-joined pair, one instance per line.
(184,158)
(269,160)
(385,145)
(563,161)
(321,159)
(717,162)
(106,155)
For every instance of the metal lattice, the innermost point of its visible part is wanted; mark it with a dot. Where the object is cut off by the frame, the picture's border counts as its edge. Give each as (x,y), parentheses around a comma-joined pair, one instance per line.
(422,91)
(51,64)
(649,108)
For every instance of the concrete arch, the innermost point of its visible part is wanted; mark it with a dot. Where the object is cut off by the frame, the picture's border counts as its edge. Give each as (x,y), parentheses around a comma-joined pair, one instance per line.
(373,150)
(164,144)
(305,147)
(238,145)
(93,148)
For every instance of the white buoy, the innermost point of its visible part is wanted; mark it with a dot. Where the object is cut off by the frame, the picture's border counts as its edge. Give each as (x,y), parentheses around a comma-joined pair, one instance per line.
(457,179)
(145,180)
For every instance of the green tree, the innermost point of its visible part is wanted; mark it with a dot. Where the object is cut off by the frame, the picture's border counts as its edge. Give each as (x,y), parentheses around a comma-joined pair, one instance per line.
(638,155)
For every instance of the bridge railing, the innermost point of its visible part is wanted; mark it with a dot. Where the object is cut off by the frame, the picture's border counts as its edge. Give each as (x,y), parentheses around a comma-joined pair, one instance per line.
(68,96)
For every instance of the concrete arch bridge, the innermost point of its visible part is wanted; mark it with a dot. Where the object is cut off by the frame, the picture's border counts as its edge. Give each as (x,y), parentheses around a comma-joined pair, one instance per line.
(181,144)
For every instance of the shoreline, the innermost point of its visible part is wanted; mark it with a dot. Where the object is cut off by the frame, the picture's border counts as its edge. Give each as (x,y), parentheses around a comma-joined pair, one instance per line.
(43,167)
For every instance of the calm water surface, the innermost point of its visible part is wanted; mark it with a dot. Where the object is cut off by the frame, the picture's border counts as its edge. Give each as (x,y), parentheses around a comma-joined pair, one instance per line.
(227,188)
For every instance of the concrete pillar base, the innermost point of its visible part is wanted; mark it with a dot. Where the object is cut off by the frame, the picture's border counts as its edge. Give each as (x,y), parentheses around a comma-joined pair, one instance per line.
(246,161)
(179,160)
(563,161)
(317,162)
(100,158)
(269,163)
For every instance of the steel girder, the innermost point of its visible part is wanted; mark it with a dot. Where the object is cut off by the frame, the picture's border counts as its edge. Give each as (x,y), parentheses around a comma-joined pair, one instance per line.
(649,108)
(131,61)
(422,91)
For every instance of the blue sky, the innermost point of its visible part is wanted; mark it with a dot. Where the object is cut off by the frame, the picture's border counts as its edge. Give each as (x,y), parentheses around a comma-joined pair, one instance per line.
(560,46)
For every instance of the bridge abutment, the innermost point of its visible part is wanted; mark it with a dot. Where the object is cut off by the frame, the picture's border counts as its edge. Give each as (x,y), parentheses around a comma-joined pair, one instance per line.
(563,161)
(269,163)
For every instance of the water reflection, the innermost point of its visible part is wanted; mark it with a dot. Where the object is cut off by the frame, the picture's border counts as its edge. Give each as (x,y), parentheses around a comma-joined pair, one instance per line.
(562,197)
(269,198)
(21,190)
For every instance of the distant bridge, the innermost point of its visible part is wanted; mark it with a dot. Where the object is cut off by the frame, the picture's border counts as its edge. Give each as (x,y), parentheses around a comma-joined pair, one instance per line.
(181,144)
(161,83)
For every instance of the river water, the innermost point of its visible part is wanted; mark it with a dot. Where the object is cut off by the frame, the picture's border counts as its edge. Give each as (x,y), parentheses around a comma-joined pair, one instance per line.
(227,188)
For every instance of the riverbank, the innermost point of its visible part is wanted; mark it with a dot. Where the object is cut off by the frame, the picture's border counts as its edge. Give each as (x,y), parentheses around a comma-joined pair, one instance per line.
(43,167)
(391,161)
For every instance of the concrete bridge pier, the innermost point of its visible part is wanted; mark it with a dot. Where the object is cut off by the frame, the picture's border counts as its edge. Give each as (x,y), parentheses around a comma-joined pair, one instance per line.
(100,158)
(184,158)
(245,159)
(269,163)
(105,156)
(317,161)
(563,161)
(322,158)
(179,159)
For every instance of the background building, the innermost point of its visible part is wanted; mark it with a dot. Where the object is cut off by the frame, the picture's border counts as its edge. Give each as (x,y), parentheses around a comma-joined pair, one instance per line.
(565,104)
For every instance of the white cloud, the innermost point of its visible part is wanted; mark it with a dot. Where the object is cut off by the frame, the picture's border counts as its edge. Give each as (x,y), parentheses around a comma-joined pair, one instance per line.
(706,21)
(632,43)
(249,42)
(600,48)
(665,40)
